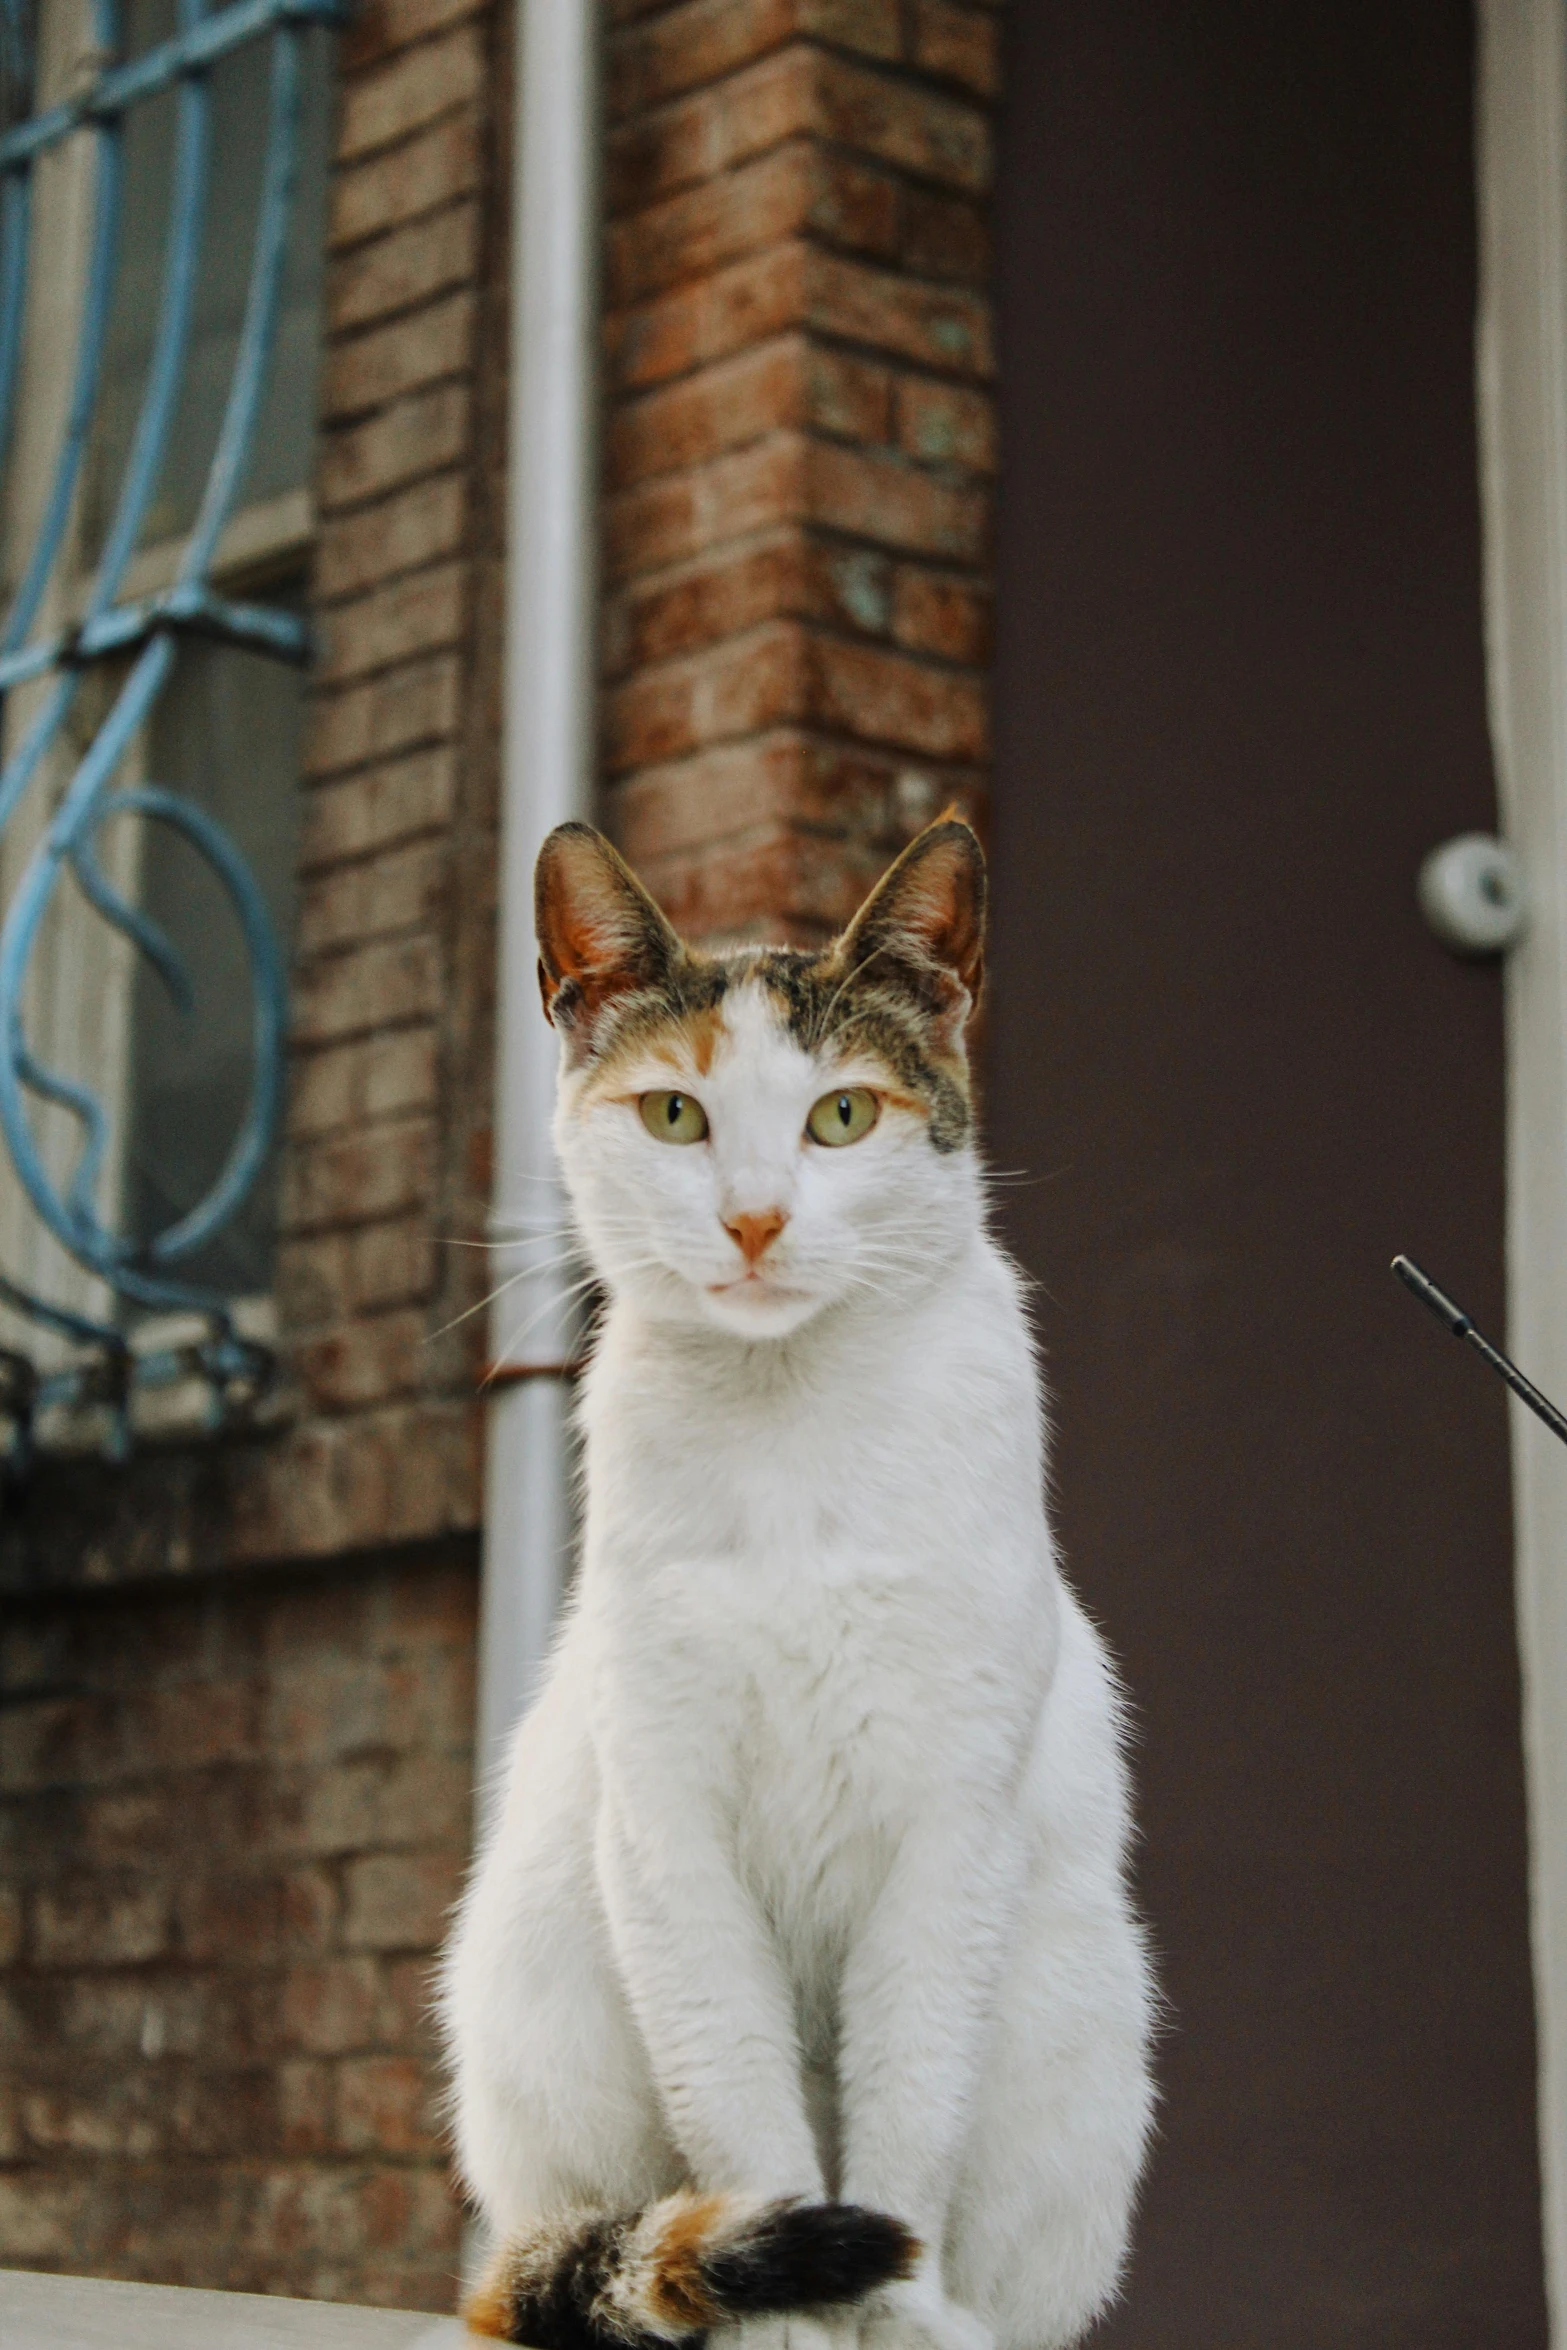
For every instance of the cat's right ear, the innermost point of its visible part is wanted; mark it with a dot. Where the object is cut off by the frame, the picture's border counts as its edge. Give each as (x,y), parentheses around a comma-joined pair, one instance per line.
(600,934)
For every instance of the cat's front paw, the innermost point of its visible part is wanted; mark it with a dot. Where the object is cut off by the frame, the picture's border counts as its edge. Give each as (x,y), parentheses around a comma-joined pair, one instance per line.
(917,2316)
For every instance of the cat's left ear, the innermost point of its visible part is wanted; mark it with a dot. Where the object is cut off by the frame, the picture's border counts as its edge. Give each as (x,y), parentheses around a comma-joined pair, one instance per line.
(924,925)
(600,934)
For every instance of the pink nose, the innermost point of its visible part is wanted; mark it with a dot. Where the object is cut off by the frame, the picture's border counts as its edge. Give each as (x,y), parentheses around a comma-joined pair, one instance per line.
(752,1234)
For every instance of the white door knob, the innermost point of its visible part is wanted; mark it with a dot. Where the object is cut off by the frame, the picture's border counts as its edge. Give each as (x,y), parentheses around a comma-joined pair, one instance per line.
(1471,892)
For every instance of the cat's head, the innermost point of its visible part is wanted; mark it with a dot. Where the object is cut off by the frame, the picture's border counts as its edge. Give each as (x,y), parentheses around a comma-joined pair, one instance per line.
(750,1137)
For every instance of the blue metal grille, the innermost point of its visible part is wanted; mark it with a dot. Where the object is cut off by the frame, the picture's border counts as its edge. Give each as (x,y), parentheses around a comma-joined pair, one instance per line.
(142,637)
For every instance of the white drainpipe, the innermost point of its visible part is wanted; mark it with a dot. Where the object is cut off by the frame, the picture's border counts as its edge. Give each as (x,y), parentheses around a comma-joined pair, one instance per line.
(546,777)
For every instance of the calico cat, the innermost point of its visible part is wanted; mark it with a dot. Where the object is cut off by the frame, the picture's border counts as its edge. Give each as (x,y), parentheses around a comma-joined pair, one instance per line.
(797,1986)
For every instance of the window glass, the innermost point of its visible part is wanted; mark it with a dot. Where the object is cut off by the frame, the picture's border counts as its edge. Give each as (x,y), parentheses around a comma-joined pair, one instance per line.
(240,113)
(226,736)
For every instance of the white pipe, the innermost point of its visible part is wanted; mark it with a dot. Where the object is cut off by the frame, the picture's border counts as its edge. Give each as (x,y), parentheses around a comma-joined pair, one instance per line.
(546,778)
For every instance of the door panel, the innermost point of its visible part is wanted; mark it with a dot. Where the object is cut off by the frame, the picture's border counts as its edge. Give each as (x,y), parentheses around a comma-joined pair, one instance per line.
(1240,693)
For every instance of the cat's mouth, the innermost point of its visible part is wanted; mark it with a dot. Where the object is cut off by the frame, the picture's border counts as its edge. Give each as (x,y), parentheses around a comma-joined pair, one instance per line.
(755,1283)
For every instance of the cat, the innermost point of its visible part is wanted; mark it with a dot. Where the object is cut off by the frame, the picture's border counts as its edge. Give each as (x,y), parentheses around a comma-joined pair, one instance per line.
(797,1986)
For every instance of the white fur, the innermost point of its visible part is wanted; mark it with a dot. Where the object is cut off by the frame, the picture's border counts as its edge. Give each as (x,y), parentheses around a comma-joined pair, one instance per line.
(809,1876)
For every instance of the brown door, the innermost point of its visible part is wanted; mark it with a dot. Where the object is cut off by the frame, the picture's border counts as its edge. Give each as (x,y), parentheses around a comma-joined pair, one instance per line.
(1241,693)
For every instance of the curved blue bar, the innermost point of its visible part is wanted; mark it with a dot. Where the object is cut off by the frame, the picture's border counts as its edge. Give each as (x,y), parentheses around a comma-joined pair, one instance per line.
(16,190)
(151,629)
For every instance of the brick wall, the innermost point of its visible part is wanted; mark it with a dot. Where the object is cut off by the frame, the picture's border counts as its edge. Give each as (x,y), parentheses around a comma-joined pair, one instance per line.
(800,444)
(234,1803)
(230,1826)
(234,1790)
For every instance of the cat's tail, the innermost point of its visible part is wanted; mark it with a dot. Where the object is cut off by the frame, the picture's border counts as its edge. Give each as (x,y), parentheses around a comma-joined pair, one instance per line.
(659,2278)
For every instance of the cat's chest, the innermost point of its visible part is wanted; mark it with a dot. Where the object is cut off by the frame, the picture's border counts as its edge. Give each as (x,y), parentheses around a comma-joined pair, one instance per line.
(822,1676)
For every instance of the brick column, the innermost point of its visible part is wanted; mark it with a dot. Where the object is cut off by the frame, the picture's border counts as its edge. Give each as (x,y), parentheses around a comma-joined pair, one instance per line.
(800,444)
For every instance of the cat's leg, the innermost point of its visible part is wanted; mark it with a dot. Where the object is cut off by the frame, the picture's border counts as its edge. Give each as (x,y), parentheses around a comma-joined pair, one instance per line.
(917,1994)
(1041,2211)
(554,2101)
(1043,2199)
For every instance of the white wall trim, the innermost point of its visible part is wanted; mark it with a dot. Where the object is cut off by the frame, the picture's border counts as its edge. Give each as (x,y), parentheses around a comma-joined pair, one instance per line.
(1521,150)
(546,777)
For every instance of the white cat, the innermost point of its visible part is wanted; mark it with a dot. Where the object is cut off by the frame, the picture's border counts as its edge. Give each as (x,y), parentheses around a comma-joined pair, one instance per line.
(797,1984)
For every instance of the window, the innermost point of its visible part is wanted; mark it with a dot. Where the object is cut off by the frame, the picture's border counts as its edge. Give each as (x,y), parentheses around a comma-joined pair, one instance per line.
(162,189)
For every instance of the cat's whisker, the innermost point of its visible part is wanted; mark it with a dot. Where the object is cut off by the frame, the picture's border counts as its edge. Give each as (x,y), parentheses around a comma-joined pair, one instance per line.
(572,1291)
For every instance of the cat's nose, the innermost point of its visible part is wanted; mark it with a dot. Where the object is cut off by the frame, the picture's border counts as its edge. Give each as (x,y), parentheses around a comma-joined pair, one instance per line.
(752,1234)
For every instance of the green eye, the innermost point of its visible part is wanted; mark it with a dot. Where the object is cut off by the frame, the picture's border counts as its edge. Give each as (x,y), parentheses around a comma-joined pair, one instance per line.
(842,1117)
(673,1117)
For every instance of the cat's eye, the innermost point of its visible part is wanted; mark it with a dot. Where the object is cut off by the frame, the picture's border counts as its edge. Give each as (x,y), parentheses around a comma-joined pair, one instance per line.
(842,1117)
(673,1117)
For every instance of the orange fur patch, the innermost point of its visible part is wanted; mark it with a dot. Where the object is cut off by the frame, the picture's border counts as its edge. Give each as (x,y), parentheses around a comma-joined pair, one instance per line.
(488,2308)
(686,1041)
(678,2295)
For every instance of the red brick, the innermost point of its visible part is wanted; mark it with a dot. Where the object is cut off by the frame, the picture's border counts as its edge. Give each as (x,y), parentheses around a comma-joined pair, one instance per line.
(885,697)
(746,684)
(410,92)
(403,182)
(678,810)
(400,1072)
(391,1264)
(380,805)
(399,1902)
(378,27)
(960,44)
(334,2005)
(98,1923)
(945,236)
(421,434)
(935,613)
(383,2106)
(364,371)
(698,137)
(690,235)
(691,44)
(744,304)
(311,1280)
(384,1171)
(763,784)
(403,269)
(857,205)
(946,328)
(940,138)
(304,2108)
(877,497)
(939,327)
(715,596)
(10,1924)
(397,890)
(669,520)
(721,594)
(416,614)
(947,425)
(42,2219)
(722,408)
(375,986)
(185,1725)
(704,39)
(368,1360)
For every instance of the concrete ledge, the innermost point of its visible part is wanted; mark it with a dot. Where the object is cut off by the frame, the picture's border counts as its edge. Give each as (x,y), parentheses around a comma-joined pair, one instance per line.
(89,2313)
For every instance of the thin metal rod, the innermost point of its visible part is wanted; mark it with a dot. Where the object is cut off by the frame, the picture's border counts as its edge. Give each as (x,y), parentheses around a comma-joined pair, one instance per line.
(1460,1325)
(159,69)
